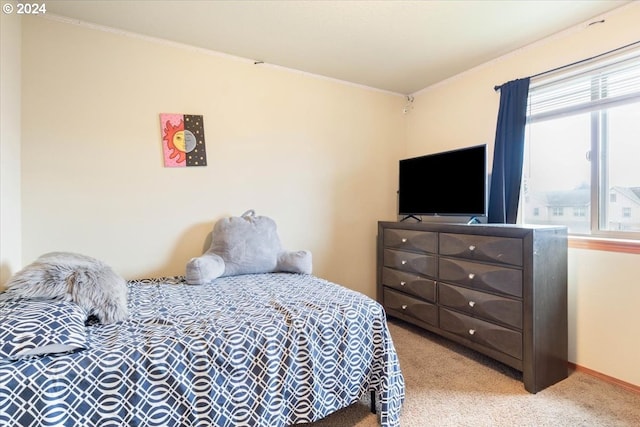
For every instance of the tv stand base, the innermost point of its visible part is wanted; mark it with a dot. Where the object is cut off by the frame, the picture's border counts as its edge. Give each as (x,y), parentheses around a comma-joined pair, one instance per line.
(473,220)
(411,216)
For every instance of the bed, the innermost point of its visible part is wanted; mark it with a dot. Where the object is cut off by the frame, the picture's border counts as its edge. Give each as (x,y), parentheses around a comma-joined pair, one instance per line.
(271,349)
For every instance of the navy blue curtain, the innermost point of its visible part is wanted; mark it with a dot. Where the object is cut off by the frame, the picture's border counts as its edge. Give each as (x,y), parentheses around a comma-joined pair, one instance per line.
(508,152)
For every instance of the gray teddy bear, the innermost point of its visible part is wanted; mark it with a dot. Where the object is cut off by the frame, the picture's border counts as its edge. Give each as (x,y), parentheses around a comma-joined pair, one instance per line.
(245,245)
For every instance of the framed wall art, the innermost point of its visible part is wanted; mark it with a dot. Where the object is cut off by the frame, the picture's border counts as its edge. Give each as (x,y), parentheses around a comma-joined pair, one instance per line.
(183,142)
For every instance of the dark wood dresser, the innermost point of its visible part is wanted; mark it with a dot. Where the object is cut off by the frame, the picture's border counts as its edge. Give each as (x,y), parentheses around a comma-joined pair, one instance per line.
(498,289)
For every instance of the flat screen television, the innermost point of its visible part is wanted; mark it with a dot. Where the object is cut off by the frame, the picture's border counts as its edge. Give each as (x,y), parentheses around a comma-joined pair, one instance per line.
(446,183)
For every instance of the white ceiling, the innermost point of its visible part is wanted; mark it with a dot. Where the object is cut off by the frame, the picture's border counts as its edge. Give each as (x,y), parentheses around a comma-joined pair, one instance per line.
(398,46)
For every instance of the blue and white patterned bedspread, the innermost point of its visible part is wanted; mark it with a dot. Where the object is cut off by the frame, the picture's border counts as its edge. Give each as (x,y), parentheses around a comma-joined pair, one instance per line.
(253,350)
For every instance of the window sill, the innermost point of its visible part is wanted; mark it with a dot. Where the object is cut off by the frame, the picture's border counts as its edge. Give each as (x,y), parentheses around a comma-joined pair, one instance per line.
(600,244)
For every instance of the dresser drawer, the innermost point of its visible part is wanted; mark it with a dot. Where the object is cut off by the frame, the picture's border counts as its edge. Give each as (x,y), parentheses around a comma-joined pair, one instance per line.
(423,241)
(409,261)
(488,277)
(395,302)
(484,333)
(418,286)
(481,305)
(482,248)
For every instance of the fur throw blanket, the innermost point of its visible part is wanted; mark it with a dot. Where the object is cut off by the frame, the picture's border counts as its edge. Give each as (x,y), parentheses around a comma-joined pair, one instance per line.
(88,282)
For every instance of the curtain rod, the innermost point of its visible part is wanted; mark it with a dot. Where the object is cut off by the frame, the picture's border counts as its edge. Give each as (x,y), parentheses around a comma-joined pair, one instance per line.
(497,88)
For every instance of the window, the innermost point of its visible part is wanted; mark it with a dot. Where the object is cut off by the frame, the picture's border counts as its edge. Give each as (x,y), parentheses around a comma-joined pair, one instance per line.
(580,211)
(582,150)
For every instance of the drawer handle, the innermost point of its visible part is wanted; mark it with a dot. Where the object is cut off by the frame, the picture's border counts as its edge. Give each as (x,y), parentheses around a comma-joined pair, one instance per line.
(404,240)
(472,303)
(403,262)
(471,276)
(404,306)
(403,283)
(472,331)
(472,248)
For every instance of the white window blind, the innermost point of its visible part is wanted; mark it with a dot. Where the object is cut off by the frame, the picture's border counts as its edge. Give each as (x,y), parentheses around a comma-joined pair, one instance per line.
(587,89)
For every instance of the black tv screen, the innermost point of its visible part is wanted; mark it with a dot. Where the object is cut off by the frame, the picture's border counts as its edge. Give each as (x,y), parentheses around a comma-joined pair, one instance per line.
(447,183)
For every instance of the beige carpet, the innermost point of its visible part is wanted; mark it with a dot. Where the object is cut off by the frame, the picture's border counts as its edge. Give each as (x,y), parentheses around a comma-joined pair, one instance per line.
(448,385)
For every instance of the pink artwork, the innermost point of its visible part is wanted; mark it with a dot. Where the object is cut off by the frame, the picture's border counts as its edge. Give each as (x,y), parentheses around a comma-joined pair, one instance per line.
(183,140)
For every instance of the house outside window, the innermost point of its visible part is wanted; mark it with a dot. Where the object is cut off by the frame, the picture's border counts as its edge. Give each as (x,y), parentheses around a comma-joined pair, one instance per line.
(582,149)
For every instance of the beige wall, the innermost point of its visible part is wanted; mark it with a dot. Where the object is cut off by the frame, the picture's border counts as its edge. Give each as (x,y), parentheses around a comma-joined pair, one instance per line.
(604,292)
(10,211)
(312,153)
(462,111)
